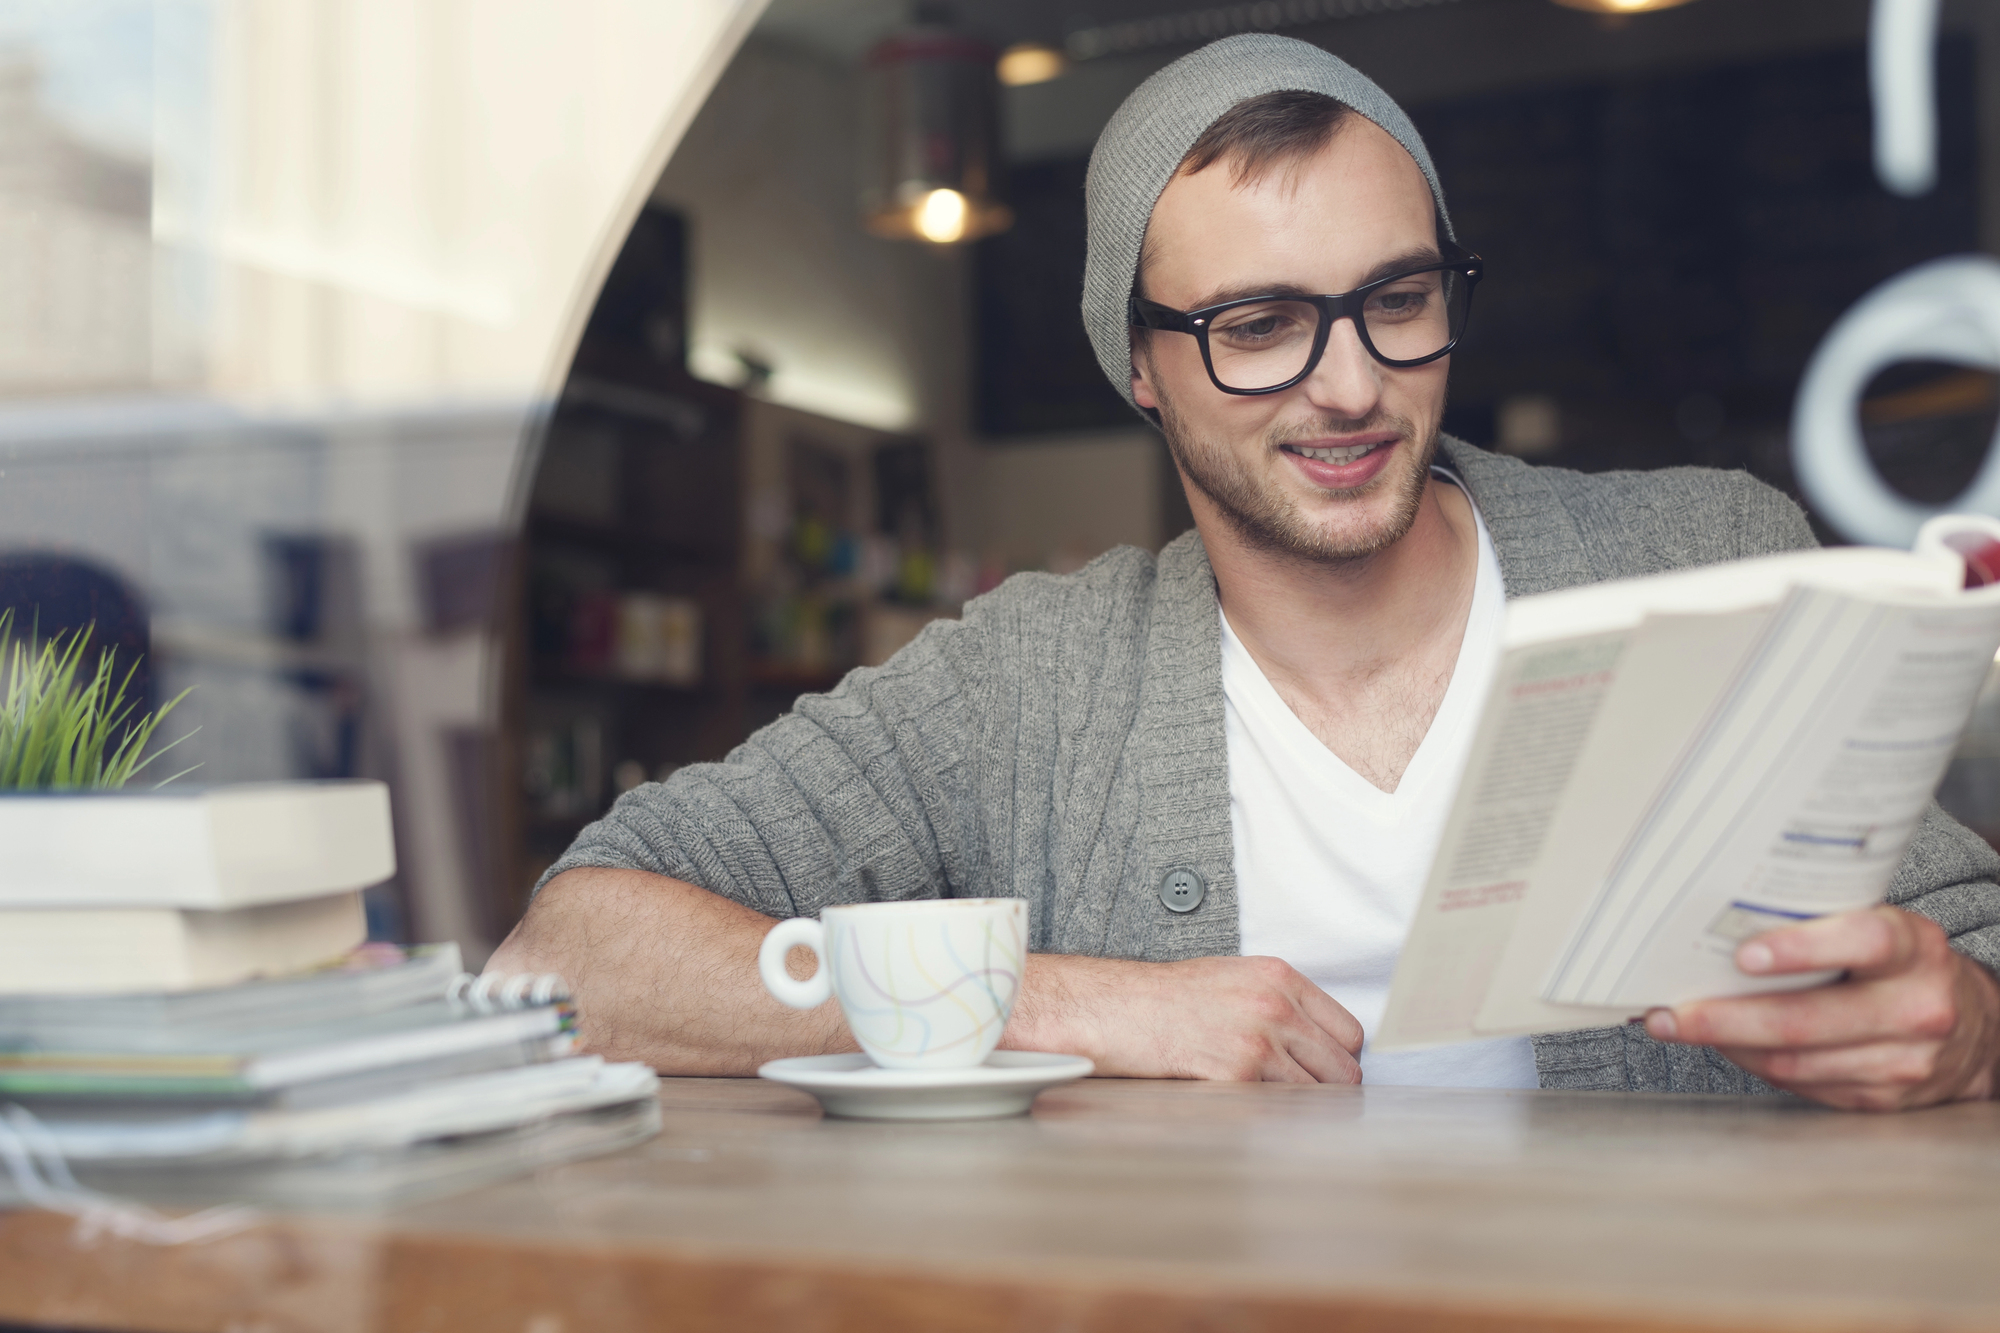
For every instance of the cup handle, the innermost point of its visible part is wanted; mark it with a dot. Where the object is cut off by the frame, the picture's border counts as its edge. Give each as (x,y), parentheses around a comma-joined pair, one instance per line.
(816,989)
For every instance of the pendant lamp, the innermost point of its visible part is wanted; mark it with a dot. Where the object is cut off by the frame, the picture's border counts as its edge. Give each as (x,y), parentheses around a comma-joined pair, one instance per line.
(931,151)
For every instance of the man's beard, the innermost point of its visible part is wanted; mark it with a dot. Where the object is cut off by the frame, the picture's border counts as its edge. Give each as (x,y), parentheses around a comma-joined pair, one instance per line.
(1264,517)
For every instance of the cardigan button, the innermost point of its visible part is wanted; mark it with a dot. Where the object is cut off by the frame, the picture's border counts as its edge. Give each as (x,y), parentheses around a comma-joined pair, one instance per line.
(1182,890)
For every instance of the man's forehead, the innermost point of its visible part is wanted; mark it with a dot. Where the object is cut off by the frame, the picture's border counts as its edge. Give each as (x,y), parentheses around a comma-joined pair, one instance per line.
(1357,202)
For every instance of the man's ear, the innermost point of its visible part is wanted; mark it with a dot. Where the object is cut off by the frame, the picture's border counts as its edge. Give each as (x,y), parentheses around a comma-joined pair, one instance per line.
(1142,389)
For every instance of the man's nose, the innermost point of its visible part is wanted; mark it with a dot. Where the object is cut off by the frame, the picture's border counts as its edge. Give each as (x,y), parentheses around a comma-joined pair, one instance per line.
(1347,382)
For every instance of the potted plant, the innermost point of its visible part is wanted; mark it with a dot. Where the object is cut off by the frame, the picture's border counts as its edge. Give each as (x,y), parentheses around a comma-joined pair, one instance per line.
(108,882)
(63,728)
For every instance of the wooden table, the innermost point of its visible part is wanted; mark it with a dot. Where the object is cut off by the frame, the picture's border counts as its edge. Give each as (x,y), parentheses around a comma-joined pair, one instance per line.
(1130,1206)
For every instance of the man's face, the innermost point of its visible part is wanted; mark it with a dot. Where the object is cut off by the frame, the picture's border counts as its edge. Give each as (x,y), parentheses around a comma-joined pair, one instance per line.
(1333,468)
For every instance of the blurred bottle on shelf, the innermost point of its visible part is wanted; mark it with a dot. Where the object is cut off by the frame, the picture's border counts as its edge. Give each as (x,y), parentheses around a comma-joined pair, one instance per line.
(658,639)
(564,776)
(593,633)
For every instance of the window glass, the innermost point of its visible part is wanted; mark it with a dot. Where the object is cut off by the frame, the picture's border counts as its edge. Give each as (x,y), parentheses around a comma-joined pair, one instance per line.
(283,289)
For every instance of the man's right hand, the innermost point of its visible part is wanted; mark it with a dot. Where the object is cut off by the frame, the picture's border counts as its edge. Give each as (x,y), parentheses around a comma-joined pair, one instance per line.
(1212,1018)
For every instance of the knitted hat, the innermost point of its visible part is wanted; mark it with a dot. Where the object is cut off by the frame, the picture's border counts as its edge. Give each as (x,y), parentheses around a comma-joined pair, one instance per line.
(1143,145)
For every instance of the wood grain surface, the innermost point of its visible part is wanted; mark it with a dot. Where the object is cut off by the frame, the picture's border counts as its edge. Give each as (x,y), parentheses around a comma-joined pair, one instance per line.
(1128,1206)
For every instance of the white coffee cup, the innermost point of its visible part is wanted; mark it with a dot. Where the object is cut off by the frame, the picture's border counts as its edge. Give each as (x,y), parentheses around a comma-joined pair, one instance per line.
(924,985)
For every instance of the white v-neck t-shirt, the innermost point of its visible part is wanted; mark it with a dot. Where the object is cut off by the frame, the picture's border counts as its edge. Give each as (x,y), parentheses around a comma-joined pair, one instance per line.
(1330,868)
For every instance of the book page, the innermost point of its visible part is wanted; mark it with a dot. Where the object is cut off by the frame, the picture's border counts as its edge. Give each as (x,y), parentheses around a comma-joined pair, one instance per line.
(1739,585)
(1675,669)
(1537,716)
(1798,798)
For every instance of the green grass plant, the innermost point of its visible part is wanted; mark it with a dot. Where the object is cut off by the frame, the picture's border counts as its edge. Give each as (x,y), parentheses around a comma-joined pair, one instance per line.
(66,725)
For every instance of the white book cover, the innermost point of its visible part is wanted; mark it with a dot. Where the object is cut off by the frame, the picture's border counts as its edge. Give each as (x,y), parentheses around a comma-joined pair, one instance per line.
(194,847)
(109,951)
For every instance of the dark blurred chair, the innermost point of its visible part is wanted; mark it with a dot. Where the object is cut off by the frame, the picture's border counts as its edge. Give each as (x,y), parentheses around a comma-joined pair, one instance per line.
(51,593)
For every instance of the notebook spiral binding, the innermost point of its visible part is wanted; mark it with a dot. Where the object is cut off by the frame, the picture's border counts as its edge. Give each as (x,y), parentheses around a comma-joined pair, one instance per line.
(491,992)
(495,991)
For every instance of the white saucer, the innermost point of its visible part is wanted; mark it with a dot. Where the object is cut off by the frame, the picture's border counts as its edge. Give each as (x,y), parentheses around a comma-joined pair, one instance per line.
(855,1087)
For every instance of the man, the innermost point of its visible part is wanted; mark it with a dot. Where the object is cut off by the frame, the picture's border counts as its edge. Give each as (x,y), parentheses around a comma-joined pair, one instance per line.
(1217,777)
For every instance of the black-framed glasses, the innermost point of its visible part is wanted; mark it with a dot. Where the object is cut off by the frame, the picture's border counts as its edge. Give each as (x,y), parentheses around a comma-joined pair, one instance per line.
(1266,344)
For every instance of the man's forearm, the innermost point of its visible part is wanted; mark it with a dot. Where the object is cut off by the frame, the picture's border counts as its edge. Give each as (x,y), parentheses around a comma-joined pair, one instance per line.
(1063,1002)
(664,973)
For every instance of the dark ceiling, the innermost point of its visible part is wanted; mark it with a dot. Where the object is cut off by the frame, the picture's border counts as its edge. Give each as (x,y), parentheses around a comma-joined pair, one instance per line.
(1441,50)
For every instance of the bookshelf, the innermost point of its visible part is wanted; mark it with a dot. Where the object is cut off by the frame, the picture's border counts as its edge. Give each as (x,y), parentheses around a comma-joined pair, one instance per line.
(693,559)
(625,656)
(806,547)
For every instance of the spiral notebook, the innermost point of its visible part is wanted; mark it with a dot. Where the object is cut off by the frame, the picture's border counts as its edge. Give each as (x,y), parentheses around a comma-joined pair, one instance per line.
(475,1082)
(476,1025)
(447,1135)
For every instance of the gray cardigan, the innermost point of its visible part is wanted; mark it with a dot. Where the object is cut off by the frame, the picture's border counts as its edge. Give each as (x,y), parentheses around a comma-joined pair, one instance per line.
(1063,742)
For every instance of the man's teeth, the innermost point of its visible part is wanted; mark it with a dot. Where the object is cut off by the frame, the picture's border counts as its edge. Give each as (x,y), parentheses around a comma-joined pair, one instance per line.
(1345,455)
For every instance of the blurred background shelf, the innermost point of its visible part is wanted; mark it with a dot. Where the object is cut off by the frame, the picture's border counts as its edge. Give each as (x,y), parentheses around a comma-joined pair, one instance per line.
(693,559)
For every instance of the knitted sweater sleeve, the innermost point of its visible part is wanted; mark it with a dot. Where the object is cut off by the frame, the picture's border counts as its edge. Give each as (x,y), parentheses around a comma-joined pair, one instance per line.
(856,794)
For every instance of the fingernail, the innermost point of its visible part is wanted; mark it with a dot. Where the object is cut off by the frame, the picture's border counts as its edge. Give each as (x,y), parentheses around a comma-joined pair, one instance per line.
(1660,1025)
(1754,957)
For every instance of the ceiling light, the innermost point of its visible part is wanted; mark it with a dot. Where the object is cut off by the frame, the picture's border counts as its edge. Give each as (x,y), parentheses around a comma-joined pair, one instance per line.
(1620,6)
(1030,62)
(932,144)
(942,216)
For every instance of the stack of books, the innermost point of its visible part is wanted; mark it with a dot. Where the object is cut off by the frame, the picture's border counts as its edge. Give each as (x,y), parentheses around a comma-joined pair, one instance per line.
(181,888)
(380,1080)
(214,1028)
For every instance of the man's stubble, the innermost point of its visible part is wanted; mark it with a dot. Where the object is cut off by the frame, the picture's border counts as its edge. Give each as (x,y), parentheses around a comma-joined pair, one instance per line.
(1265,518)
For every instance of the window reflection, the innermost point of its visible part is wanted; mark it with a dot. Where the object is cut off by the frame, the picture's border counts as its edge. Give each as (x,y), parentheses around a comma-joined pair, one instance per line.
(283,288)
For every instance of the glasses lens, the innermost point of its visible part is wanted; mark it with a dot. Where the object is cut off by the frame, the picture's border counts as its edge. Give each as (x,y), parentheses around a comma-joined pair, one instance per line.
(1417,315)
(1263,344)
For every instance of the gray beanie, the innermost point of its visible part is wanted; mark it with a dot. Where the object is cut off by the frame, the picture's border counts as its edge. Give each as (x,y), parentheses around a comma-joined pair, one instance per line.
(1143,145)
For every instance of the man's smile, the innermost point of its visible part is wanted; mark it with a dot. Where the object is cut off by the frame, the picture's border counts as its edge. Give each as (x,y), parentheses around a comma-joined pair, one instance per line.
(1342,466)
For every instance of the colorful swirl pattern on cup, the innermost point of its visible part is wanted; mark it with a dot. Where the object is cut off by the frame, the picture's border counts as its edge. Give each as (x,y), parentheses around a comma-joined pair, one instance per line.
(914,989)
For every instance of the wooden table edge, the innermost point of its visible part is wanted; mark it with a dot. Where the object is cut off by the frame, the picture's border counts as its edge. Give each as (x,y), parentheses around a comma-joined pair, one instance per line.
(338,1275)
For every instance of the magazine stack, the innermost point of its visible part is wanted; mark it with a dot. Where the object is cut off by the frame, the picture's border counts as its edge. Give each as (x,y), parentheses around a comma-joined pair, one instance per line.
(386,1076)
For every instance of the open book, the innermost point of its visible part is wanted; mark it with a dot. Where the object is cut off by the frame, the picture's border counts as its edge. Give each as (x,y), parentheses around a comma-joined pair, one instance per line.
(1669,765)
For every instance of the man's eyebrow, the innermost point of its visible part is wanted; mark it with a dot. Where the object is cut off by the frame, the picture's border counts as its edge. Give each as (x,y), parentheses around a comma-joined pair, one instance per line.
(1422,257)
(1243,291)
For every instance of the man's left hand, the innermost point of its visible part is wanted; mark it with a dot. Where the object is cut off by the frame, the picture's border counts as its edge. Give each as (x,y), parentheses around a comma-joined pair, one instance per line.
(1912,1023)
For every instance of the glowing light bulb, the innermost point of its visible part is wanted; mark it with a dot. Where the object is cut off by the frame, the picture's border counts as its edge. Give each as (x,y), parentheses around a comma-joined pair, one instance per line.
(941,217)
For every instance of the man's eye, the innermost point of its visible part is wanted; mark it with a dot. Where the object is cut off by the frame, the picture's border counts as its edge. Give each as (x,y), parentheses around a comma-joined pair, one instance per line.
(1399,304)
(1257,329)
